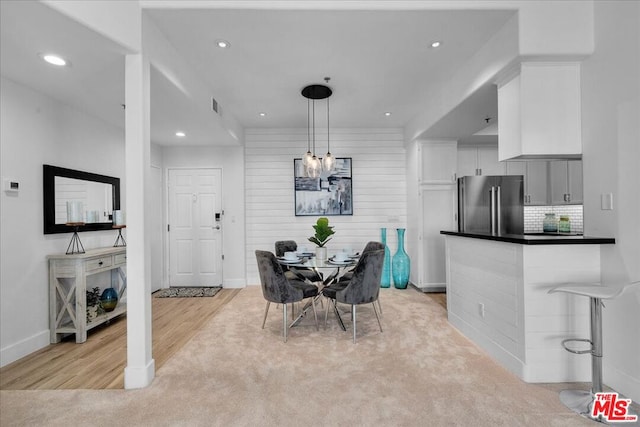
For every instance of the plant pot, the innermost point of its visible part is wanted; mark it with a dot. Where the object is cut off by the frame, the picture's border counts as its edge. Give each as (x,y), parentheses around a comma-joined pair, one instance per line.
(92,312)
(321,254)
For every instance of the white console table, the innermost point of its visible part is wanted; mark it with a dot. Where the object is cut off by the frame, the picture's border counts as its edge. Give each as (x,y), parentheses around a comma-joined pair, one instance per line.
(68,285)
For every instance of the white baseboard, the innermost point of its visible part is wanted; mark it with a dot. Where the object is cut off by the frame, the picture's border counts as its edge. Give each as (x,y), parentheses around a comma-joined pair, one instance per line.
(622,382)
(139,376)
(24,347)
(234,283)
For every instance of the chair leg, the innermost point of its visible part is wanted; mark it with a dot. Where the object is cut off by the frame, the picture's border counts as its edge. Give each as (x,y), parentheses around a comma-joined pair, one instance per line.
(326,314)
(266,310)
(380,307)
(353,316)
(284,321)
(315,313)
(377,317)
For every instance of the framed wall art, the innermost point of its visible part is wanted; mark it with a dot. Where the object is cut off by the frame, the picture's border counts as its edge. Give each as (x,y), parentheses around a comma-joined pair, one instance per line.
(329,194)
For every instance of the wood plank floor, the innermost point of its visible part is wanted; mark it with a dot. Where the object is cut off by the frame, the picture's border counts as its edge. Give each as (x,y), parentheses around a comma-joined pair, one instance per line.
(439,297)
(99,362)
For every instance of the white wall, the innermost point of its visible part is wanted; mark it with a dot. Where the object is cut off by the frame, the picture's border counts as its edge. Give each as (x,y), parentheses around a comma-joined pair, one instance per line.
(231,161)
(379,188)
(38,130)
(611,135)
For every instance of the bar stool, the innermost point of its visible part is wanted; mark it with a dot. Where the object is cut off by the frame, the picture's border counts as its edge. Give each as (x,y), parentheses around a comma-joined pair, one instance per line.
(580,401)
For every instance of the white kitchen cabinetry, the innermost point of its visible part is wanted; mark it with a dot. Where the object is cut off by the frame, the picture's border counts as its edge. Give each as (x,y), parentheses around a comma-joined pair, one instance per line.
(498,297)
(438,162)
(539,111)
(68,289)
(536,180)
(438,213)
(479,160)
(566,182)
(437,194)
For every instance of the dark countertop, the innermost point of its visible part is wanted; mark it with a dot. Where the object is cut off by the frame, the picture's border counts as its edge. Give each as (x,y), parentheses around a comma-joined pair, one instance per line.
(537,239)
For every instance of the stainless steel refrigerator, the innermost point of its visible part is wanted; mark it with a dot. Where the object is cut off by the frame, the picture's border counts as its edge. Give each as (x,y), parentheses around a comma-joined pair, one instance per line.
(491,204)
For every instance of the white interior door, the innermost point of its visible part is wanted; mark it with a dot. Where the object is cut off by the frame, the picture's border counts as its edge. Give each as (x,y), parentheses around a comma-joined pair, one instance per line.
(195,233)
(157,231)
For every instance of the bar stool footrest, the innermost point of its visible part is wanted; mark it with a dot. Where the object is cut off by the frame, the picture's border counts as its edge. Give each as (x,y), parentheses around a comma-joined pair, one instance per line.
(570,350)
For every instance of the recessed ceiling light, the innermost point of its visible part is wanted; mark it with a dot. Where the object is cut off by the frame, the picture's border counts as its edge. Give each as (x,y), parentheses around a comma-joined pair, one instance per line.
(181,134)
(436,43)
(262,114)
(54,59)
(388,113)
(223,44)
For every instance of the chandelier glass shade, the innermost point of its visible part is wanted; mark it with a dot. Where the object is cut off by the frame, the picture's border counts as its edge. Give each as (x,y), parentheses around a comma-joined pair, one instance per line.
(313,165)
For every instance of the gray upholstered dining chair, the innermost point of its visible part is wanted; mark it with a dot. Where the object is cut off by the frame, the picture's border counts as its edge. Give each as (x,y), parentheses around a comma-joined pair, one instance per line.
(283,246)
(363,288)
(277,288)
(371,246)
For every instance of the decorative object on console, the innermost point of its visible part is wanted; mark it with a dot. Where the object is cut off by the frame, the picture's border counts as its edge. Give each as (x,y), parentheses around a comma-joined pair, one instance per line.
(94,308)
(385,281)
(401,264)
(119,240)
(109,299)
(323,234)
(119,224)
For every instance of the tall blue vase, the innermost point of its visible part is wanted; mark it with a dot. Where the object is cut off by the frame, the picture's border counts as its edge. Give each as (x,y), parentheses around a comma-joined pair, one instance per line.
(401,264)
(385,280)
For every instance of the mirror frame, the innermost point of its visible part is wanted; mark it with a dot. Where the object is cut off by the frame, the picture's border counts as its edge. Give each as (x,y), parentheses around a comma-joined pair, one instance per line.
(49,174)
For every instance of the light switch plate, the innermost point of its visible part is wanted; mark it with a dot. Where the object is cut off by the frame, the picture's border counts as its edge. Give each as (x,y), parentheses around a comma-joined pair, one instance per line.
(606,201)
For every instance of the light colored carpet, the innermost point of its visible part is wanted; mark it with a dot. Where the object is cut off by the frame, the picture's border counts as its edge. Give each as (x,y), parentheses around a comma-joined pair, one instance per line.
(419,372)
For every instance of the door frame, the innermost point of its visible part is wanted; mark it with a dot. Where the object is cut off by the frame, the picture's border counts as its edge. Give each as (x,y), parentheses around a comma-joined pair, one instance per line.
(167,242)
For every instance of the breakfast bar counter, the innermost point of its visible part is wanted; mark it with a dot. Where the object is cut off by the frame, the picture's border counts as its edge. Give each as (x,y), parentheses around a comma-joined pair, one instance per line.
(497,296)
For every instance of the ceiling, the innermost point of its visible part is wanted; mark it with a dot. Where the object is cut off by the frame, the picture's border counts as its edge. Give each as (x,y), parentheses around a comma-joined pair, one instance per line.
(378,61)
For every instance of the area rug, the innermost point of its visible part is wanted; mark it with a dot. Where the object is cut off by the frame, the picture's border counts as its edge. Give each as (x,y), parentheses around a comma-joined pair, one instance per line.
(188,292)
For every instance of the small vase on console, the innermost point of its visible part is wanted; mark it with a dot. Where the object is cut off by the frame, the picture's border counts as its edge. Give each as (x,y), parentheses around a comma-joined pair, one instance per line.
(109,299)
(401,264)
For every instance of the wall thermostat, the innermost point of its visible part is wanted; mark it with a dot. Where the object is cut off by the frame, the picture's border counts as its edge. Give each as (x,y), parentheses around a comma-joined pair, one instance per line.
(11,186)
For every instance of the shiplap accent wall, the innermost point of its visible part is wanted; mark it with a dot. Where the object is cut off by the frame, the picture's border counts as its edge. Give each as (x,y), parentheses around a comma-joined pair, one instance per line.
(379,188)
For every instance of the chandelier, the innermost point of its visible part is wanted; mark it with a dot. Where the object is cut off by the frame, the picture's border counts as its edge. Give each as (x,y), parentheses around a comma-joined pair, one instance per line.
(312,164)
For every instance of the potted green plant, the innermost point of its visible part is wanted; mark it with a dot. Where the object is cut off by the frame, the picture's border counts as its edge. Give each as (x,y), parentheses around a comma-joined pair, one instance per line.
(323,234)
(94,308)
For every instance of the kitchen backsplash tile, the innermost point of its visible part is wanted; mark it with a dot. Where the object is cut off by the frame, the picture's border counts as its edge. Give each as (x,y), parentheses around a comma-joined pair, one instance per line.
(533,216)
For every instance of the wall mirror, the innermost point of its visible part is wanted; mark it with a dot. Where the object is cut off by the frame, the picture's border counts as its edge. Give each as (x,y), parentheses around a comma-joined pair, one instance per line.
(99,195)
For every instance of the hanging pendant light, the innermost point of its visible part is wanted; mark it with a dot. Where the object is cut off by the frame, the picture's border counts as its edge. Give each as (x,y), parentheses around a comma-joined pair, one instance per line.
(312,92)
(328,162)
(314,167)
(308,155)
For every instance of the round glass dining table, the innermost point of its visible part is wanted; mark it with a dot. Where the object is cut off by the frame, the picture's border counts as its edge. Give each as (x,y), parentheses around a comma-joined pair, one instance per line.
(315,264)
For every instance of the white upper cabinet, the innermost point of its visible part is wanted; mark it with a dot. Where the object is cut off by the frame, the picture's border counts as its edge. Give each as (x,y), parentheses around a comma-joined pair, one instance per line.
(488,163)
(479,160)
(438,162)
(566,182)
(536,180)
(539,112)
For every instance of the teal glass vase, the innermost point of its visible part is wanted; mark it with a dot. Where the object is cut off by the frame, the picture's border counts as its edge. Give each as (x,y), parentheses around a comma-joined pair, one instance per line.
(401,263)
(385,280)
(109,299)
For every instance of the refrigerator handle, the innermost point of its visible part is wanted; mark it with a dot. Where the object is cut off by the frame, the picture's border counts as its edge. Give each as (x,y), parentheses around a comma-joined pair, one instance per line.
(498,210)
(492,209)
